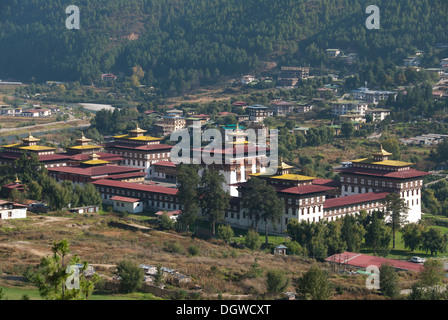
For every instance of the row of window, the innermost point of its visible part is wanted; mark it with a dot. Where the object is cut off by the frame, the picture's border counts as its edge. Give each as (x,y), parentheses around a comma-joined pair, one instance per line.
(122,192)
(383,183)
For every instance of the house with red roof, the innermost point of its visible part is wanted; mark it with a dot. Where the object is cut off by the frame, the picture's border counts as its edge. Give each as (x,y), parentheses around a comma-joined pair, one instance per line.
(126,204)
(12,210)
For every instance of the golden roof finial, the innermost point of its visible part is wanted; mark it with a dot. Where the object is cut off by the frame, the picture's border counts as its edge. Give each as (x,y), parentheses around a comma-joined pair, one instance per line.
(17,179)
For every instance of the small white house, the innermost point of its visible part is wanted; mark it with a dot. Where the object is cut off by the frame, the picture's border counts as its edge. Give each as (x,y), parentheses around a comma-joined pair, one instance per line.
(130,205)
(12,210)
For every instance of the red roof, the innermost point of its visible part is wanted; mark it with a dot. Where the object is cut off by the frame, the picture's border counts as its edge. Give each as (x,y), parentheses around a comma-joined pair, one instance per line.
(405,174)
(305,189)
(165,164)
(102,156)
(42,158)
(150,147)
(135,186)
(96,170)
(354,199)
(13,185)
(125,175)
(54,157)
(326,182)
(363,261)
(124,199)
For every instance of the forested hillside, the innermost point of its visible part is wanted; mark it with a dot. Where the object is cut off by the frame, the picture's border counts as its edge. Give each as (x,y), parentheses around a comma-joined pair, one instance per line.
(183,43)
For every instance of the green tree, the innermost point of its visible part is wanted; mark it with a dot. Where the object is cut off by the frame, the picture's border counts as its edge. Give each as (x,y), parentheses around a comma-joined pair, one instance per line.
(225,232)
(314,284)
(131,276)
(378,235)
(159,276)
(252,239)
(188,182)
(28,168)
(389,281)
(412,235)
(34,190)
(256,271)
(52,275)
(352,233)
(333,238)
(347,129)
(431,278)
(214,200)
(396,213)
(261,200)
(434,240)
(276,281)
(392,145)
(165,222)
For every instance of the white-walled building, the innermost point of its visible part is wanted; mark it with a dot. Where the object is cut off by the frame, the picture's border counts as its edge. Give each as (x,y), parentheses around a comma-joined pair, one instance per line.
(12,210)
(379,174)
(125,204)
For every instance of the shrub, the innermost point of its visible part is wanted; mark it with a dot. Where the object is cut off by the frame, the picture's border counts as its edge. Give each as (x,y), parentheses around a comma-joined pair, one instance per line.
(174,247)
(276,282)
(294,248)
(252,240)
(131,275)
(256,271)
(181,295)
(166,223)
(225,232)
(193,250)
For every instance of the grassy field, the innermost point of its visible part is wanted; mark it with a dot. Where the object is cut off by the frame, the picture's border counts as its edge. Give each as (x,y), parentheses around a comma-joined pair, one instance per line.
(18,293)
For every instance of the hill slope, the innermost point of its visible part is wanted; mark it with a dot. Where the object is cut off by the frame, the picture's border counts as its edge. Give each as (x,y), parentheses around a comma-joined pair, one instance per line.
(180,43)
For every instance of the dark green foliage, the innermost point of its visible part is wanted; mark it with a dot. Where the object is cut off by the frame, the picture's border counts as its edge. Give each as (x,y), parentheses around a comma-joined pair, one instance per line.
(255,271)
(51,275)
(252,239)
(214,200)
(225,232)
(193,250)
(378,235)
(389,281)
(174,247)
(188,181)
(131,275)
(434,241)
(261,201)
(183,44)
(276,281)
(314,284)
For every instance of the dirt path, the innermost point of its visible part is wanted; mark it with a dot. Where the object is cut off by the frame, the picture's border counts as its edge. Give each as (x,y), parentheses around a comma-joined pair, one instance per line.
(24,245)
(46,220)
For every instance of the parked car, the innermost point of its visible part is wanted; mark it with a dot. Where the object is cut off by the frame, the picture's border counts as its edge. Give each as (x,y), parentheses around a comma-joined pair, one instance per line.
(417,260)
